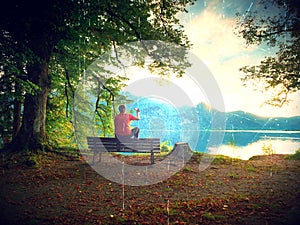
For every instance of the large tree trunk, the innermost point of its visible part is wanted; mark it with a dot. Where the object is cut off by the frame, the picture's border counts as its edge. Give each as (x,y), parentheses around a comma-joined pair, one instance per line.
(36,32)
(32,132)
(31,135)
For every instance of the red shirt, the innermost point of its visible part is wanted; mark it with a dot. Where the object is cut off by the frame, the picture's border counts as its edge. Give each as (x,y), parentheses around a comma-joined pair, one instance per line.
(122,124)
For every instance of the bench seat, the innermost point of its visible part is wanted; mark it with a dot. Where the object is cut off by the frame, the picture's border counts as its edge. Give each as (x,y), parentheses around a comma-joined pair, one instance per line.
(141,145)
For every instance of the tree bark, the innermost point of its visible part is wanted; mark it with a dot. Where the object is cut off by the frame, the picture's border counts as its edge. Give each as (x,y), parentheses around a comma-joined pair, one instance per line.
(32,132)
(31,135)
(16,117)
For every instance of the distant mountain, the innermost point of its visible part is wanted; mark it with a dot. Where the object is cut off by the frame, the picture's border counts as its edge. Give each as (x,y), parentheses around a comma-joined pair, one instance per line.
(194,125)
(241,120)
(204,117)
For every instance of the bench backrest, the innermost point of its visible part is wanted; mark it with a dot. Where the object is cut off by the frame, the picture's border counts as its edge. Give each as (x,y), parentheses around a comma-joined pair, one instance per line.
(130,145)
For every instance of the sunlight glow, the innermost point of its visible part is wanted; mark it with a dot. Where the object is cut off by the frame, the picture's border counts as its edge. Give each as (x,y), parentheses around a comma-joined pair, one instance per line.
(256,148)
(215,43)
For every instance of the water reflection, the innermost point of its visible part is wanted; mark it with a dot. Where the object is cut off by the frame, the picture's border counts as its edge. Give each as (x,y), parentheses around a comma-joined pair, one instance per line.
(261,147)
(241,144)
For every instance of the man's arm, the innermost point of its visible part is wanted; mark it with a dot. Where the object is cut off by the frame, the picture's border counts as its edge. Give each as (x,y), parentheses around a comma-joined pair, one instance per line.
(137,113)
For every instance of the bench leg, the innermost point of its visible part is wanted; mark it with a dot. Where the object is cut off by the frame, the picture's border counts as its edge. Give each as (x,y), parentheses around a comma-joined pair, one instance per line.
(99,157)
(94,158)
(152,158)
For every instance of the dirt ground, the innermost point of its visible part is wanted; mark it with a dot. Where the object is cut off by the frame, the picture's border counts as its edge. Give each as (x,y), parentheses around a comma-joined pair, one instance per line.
(66,190)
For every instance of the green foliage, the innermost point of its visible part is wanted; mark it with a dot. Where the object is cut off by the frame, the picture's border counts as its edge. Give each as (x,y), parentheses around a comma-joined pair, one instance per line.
(213,217)
(279,73)
(251,168)
(165,146)
(295,156)
(64,38)
(6,123)
(233,176)
(222,159)
(59,127)
(188,169)
(13,85)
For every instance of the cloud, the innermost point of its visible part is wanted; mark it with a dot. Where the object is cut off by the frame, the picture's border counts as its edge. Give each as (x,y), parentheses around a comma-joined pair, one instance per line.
(220,49)
(216,44)
(213,37)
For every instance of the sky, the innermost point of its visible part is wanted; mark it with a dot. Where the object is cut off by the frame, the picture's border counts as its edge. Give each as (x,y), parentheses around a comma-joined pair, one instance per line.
(210,26)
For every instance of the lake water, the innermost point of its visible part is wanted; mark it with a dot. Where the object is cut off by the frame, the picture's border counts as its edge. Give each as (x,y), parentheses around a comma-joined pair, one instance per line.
(241,144)
(245,144)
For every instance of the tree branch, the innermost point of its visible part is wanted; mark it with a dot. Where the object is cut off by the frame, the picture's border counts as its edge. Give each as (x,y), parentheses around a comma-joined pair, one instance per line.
(137,34)
(274,33)
(68,84)
(116,53)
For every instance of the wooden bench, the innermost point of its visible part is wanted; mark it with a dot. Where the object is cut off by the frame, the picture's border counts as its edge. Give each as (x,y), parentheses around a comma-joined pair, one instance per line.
(141,145)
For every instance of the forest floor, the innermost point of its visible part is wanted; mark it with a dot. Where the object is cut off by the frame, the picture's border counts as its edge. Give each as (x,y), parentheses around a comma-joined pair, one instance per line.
(60,189)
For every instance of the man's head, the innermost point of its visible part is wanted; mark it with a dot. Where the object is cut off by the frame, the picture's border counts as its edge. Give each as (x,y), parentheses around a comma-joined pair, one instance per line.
(122,108)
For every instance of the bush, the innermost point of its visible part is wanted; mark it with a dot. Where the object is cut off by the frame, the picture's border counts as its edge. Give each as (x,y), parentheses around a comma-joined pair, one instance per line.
(268,149)
(295,156)
(165,146)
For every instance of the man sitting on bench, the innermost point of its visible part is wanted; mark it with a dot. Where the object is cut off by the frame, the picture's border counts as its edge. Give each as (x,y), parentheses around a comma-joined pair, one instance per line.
(122,124)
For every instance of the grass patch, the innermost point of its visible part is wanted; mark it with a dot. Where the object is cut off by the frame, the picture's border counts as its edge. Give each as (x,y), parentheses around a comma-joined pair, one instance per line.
(34,159)
(224,160)
(210,216)
(196,157)
(188,169)
(251,169)
(23,158)
(233,176)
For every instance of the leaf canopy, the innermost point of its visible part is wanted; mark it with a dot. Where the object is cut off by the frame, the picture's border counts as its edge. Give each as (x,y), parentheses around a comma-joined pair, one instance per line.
(275,24)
